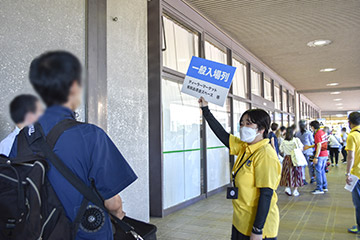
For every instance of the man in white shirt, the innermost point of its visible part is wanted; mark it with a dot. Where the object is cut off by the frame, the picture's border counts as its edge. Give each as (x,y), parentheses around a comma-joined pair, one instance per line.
(25,109)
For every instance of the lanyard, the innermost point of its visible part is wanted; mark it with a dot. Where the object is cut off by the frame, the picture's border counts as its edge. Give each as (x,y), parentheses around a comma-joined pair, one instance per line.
(234,174)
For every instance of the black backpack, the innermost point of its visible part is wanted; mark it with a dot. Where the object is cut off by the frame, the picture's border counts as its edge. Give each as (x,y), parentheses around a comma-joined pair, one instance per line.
(29,207)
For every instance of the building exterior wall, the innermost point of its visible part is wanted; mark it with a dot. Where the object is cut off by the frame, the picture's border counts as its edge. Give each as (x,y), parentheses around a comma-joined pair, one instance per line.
(27,29)
(30,28)
(128,96)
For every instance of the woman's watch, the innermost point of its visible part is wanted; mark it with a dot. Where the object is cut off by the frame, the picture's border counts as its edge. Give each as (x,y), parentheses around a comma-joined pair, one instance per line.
(257,231)
(347,174)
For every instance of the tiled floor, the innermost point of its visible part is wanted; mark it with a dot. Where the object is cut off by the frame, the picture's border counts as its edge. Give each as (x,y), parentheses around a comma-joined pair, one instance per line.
(306,217)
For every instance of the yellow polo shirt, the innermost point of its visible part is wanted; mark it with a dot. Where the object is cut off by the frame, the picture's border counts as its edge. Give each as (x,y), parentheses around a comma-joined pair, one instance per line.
(262,170)
(353,144)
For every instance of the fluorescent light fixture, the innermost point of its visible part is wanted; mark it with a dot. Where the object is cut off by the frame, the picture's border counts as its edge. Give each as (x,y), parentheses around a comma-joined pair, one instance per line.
(340,107)
(318,43)
(335,93)
(332,84)
(328,70)
(339,104)
(339,115)
(337,99)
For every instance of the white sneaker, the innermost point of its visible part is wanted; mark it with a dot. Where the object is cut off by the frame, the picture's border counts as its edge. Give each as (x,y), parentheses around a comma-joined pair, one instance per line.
(296,193)
(288,191)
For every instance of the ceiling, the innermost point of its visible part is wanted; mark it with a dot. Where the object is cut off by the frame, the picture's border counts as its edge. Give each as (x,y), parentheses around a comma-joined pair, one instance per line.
(277,32)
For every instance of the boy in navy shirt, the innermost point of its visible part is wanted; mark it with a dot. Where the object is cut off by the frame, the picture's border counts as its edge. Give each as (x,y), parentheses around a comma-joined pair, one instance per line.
(86,149)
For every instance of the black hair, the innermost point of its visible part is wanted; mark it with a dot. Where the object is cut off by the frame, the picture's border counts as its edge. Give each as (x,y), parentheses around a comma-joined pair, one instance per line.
(261,118)
(274,126)
(302,125)
(289,134)
(343,129)
(22,105)
(354,118)
(282,128)
(315,124)
(52,75)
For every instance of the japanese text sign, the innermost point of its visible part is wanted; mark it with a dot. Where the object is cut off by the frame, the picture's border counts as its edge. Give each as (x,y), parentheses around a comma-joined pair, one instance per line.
(208,79)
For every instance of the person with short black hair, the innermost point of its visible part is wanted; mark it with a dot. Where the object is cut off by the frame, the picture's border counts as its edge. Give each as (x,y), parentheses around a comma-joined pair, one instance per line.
(344,136)
(256,175)
(291,176)
(320,157)
(334,148)
(85,148)
(353,164)
(280,134)
(306,138)
(25,109)
(273,138)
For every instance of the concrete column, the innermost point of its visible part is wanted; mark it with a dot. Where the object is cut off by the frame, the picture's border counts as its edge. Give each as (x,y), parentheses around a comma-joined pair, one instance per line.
(29,28)
(127,96)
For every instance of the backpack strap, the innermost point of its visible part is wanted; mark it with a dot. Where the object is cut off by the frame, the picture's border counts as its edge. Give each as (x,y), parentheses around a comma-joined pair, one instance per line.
(59,129)
(89,193)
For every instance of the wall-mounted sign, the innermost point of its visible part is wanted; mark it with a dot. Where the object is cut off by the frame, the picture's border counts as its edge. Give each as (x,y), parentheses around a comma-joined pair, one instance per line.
(208,79)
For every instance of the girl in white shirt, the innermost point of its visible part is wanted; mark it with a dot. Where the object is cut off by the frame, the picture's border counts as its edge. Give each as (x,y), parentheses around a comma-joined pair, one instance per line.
(291,176)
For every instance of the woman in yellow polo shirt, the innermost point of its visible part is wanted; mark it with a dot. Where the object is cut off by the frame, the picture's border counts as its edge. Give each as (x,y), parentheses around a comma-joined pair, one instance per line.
(256,175)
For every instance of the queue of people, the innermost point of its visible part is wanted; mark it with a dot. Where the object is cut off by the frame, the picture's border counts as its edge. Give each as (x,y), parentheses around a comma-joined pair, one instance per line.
(85,148)
(256,174)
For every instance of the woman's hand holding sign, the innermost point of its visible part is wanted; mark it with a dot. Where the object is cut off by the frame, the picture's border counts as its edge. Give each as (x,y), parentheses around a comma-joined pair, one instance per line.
(203,102)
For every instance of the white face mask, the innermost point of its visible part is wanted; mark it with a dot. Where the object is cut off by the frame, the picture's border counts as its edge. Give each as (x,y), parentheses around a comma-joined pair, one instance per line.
(248,134)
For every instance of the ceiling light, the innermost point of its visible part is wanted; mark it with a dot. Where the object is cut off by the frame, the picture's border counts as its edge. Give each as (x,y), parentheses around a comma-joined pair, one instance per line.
(318,43)
(335,93)
(332,84)
(339,115)
(337,99)
(327,69)
(340,107)
(339,104)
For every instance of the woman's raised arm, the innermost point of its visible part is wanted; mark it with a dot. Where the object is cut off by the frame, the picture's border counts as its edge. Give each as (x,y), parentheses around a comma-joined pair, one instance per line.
(215,126)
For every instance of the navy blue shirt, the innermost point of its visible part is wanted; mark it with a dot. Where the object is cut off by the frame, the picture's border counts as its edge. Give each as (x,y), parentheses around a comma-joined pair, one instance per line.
(272,135)
(89,153)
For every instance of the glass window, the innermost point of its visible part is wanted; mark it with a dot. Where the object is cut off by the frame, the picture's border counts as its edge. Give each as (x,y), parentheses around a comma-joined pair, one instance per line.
(278,118)
(214,53)
(286,120)
(218,163)
(240,82)
(239,109)
(267,88)
(277,97)
(285,102)
(181,145)
(181,45)
(292,120)
(255,83)
(271,113)
(303,109)
(291,103)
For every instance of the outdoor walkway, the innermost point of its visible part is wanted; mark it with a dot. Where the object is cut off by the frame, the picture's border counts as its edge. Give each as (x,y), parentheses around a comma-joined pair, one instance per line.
(306,217)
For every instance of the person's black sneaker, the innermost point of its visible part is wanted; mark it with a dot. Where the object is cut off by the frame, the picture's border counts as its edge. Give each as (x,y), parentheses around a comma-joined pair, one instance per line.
(312,181)
(305,182)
